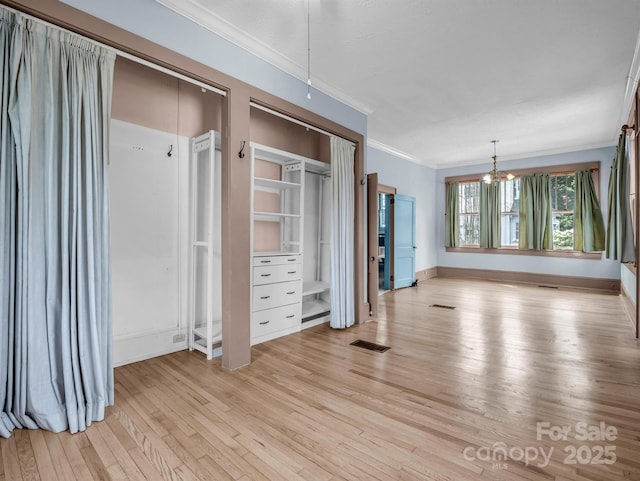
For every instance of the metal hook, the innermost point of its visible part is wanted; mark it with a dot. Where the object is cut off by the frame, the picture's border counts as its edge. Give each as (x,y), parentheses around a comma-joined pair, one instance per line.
(241,153)
(169,154)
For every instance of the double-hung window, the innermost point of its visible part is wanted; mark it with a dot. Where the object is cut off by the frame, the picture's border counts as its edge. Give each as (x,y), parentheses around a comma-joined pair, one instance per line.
(469,202)
(563,202)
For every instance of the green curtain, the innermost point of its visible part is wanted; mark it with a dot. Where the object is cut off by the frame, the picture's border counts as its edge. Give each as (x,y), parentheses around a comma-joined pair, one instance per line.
(619,240)
(535,212)
(490,215)
(452,217)
(588,230)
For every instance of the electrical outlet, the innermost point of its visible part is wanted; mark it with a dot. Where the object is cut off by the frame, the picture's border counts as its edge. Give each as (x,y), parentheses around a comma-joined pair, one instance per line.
(178,338)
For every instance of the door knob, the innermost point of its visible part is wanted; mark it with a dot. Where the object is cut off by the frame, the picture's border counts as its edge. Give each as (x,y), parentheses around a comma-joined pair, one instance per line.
(372,258)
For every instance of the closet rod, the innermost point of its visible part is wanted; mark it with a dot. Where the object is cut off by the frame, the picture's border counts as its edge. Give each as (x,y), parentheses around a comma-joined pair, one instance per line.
(296,121)
(120,53)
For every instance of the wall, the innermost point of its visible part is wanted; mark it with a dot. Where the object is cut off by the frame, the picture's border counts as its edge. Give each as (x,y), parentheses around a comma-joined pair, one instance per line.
(184,36)
(417,181)
(603,268)
(144,96)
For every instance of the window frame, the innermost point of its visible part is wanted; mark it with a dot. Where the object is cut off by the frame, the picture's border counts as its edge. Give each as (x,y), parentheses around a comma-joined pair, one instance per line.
(562,169)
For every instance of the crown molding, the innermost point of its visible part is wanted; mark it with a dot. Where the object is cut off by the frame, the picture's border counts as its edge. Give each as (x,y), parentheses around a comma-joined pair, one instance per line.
(374,144)
(532,155)
(204,17)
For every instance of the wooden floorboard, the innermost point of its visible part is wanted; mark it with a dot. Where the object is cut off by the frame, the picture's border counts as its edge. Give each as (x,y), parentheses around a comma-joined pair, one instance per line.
(457,388)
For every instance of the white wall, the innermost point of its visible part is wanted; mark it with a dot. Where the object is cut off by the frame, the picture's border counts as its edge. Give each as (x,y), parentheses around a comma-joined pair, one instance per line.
(149,225)
(628,281)
(602,268)
(417,181)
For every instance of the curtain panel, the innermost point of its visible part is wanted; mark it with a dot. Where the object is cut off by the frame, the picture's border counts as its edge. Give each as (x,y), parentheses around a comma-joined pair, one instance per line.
(55,282)
(452,216)
(535,212)
(490,215)
(619,242)
(342,234)
(588,230)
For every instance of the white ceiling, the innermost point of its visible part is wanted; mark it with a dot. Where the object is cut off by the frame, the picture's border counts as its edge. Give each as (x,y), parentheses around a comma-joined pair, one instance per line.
(439,79)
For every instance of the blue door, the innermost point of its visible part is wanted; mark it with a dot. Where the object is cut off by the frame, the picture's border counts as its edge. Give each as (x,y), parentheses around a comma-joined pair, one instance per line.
(404,211)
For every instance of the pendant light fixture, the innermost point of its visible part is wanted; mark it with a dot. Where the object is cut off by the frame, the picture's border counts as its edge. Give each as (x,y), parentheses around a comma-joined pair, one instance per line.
(308,51)
(495,175)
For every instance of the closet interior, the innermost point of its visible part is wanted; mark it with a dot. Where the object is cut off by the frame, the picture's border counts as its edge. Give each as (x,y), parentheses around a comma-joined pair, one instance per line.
(290,242)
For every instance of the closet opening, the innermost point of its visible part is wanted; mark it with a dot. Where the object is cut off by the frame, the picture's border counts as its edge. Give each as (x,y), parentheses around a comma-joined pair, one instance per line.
(165,213)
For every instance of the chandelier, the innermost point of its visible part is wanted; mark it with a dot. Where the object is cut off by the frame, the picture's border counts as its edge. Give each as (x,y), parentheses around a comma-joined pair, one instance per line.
(495,175)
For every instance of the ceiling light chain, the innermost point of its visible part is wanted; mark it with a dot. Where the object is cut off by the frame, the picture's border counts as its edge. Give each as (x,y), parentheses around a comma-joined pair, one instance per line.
(495,176)
(308,51)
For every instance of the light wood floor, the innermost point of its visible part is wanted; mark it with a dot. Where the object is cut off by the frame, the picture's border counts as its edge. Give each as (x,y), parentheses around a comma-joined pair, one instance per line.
(312,407)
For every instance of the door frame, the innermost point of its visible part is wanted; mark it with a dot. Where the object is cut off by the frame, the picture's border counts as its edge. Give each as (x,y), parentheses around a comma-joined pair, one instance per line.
(373,189)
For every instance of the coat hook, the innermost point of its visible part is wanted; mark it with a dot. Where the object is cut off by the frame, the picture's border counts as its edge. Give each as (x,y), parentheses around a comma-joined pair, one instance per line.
(364,180)
(241,153)
(170,153)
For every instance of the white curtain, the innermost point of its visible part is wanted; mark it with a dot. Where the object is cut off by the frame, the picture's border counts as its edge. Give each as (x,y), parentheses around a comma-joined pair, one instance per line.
(55,283)
(342,234)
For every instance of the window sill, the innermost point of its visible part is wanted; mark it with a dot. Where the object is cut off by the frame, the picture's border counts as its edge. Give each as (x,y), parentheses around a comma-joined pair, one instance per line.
(526,252)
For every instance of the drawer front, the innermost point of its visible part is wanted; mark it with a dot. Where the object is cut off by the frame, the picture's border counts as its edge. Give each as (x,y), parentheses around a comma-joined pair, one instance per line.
(273,320)
(276,260)
(277,273)
(275,295)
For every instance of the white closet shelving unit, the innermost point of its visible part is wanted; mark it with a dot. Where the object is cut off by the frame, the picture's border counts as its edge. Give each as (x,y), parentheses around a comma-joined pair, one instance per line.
(280,298)
(205,310)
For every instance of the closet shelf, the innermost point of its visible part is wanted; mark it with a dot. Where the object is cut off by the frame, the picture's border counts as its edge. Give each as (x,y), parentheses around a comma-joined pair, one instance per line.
(314,308)
(273,216)
(261,183)
(314,287)
(216,331)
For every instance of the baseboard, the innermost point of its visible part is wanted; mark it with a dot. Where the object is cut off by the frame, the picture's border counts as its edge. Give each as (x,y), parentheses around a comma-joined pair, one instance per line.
(629,307)
(425,274)
(590,283)
(145,346)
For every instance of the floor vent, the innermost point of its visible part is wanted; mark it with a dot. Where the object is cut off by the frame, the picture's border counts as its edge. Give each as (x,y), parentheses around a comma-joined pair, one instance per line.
(548,287)
(442,306)
(372,346)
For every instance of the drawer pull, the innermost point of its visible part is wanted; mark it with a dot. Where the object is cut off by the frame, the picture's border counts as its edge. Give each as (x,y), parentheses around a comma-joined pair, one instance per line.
(292,292)
(264,322)
(292,272)
(292,315)
(291,260)
(265,262)
(265,297)
(265,275)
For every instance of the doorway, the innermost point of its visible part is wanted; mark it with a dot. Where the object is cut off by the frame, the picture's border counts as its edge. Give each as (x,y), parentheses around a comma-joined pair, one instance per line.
(385,258)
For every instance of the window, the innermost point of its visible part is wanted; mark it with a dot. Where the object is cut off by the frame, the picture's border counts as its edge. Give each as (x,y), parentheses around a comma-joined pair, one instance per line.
(563,197)
(510,212)
(563,201)
(469,202)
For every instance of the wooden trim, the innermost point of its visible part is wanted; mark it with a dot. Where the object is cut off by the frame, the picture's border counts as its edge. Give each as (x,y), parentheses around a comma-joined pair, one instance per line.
(386,189)
(590,283)
(630,267)
(514,251)
(373,276)
(551,169)
(426,274)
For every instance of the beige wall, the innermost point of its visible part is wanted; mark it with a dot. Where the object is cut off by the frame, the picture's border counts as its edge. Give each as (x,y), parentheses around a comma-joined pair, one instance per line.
(267,129)
(147,97)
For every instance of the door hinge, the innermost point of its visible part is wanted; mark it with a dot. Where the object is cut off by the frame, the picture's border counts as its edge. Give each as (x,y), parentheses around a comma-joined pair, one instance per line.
(393,201)
(391,278)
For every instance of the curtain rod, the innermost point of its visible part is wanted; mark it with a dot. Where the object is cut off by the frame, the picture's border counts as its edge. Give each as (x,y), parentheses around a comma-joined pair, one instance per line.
(296,121)
(120,53)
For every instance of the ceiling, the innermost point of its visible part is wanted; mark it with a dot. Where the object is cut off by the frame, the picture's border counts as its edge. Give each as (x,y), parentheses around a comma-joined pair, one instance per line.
(439,79)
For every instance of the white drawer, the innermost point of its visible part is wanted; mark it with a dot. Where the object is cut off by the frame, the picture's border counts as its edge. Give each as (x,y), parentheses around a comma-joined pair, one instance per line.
(275,295)
(277,273)
(273,320)
(276,260)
